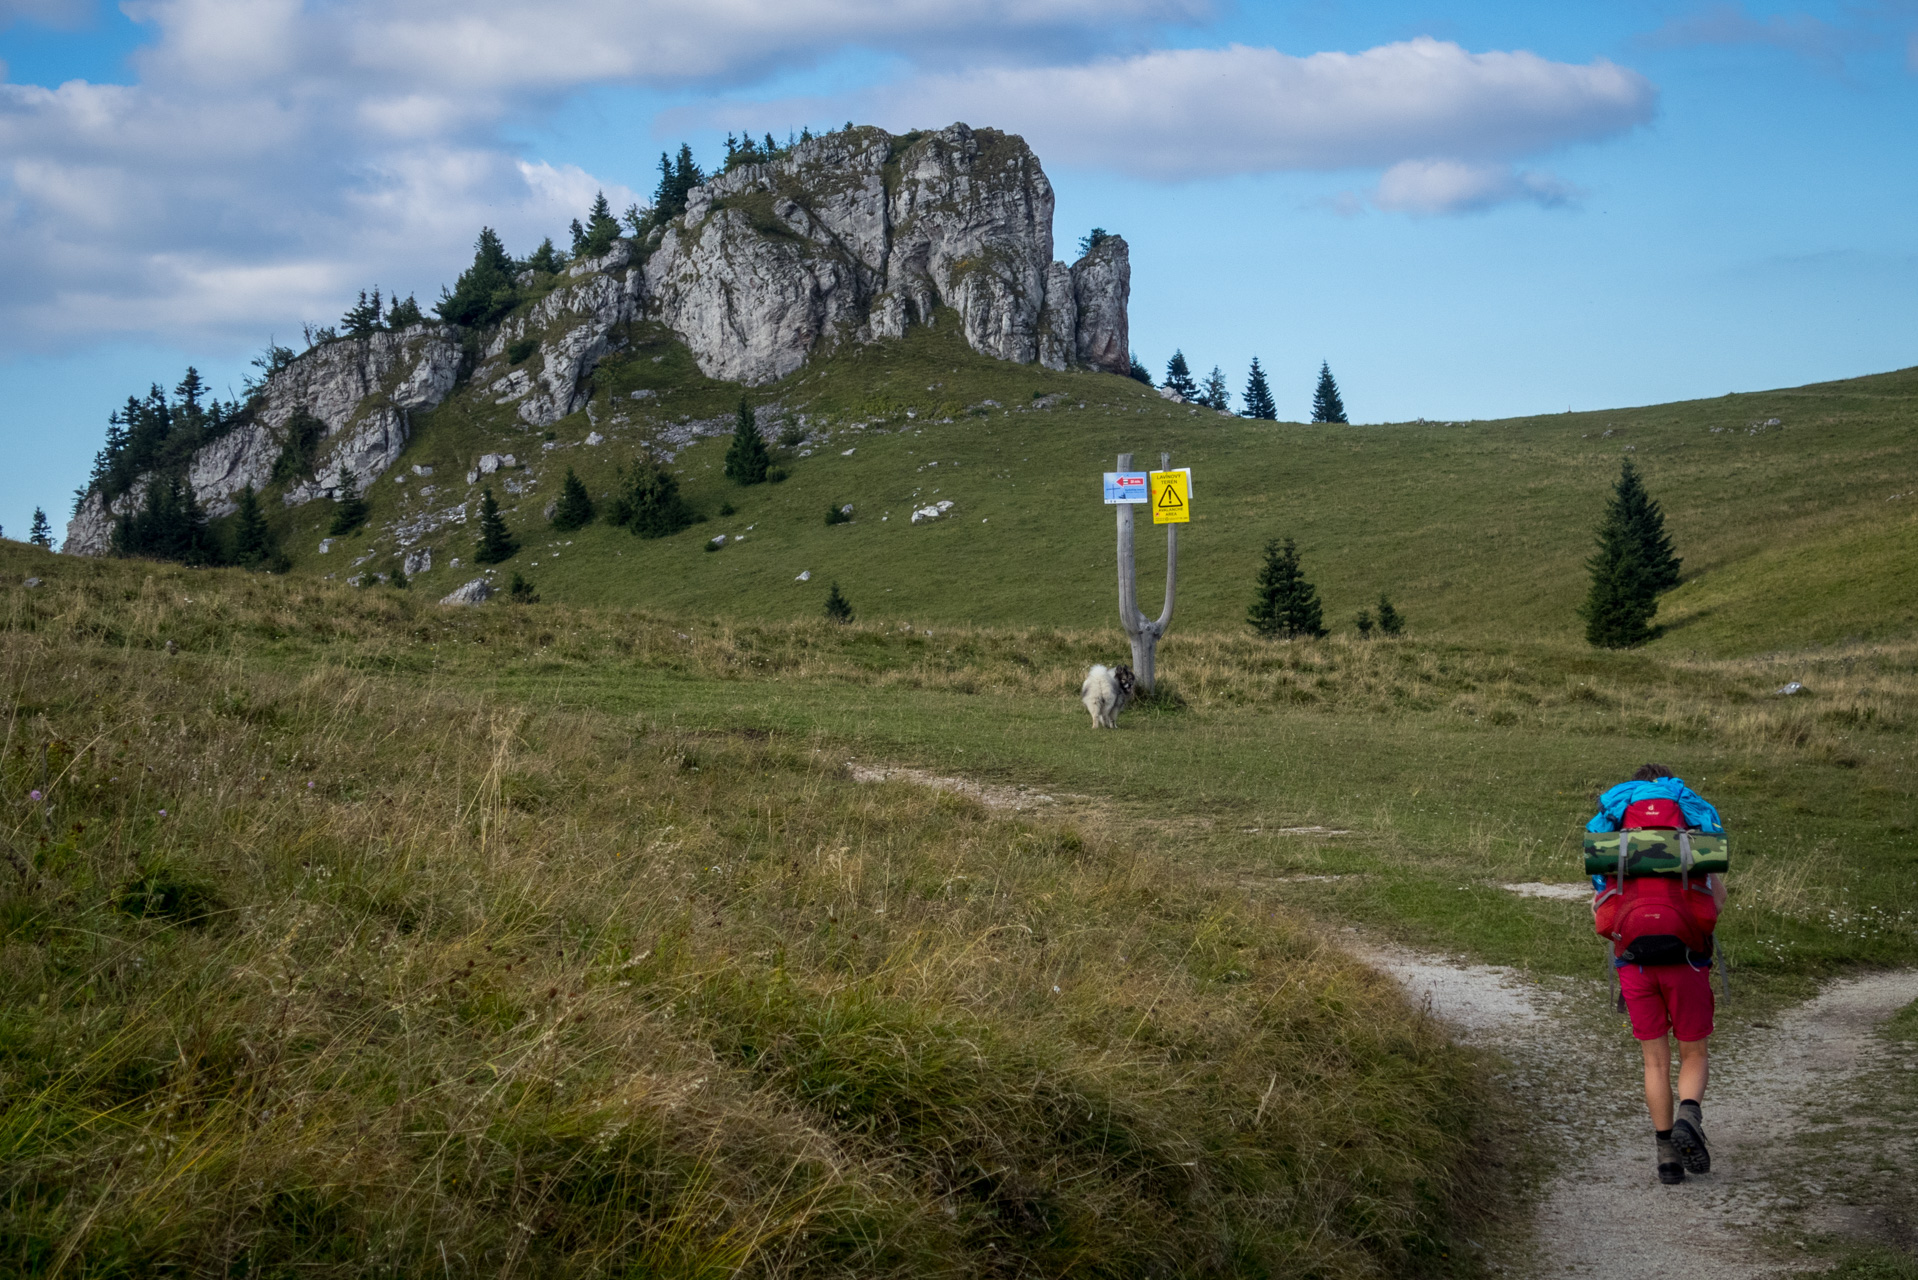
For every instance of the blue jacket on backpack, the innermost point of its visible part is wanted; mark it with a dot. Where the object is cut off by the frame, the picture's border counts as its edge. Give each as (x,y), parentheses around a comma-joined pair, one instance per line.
(1697,810)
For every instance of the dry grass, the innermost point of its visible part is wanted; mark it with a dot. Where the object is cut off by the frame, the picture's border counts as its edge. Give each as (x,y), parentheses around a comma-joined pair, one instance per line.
(314,970)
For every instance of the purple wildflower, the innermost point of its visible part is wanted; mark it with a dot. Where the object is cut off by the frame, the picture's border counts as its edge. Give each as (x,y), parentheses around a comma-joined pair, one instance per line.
(33,795)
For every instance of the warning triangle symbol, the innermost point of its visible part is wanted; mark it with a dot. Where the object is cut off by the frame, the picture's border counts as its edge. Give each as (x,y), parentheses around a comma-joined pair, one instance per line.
(1169,497)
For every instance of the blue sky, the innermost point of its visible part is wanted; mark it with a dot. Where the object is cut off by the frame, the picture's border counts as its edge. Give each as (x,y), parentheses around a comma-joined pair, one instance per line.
(1469,210)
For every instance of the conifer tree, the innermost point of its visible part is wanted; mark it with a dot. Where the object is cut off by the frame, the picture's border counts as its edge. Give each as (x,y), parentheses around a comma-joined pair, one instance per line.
(1092,240)
(574,510)
(252,538)
(485,291)
(363,317)
(41,534)
(398,578)
(1178,378)
(1364,623)
(837,607)
(1138,372)
(651,506)
(1258,396)
(677,178)
(1637,510)
(1633,563)
(1391,621)
(495,540)
(747,458)
(547,258)
(404,315)
(349,508)
(1326,405)
(1214,394)
(1286,604)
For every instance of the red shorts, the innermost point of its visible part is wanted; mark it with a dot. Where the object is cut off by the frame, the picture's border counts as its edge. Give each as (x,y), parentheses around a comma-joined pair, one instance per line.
(1668,997)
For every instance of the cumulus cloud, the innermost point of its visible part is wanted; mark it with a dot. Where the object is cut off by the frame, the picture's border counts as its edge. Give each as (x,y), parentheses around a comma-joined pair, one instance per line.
(56,13)
(1458,186)
(1196,113)
(273,156)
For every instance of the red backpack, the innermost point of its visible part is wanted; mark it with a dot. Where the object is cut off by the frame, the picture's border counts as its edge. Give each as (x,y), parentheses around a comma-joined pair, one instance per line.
(1656,919)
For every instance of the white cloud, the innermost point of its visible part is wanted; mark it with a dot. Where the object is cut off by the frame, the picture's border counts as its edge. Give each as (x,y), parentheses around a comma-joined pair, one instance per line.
(1459,186)
(275,156)
(1194,113)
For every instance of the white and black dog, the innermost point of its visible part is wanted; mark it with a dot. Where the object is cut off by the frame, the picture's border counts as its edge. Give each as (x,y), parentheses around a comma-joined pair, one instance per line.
(1105,693)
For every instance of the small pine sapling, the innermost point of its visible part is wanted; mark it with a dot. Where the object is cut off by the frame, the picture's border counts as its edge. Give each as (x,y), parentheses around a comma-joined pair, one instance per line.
(495,539)
(1286,604)
(651,506)
(41,535)
(1214,395)
(1364,623)
(1391,621)
(398,578)
(746,457)
(253,545)
(841,514)
(520,591)
(349,508)
(574,510)
(838,609)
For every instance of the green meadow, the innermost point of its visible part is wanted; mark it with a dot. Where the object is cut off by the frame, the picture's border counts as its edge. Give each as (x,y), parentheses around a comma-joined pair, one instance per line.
(352,934)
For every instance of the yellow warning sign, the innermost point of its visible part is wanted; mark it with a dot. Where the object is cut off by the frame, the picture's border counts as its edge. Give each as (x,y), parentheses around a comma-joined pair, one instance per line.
(1172,496)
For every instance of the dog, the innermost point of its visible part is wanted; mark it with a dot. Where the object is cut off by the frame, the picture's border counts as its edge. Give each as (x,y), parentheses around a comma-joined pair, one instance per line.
(1105,693)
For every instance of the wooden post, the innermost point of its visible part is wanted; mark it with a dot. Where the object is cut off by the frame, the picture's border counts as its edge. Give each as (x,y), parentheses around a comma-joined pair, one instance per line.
(1142,632)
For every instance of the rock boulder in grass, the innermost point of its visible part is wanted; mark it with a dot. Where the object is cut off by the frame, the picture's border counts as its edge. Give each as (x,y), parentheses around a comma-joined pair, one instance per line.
(858,235)
(478,591)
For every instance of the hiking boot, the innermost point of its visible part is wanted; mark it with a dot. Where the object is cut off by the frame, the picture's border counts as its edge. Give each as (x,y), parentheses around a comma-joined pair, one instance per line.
(1671,1169)
(1688,1135)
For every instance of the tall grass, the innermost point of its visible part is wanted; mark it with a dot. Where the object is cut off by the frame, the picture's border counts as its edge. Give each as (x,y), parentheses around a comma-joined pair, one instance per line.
(313,970)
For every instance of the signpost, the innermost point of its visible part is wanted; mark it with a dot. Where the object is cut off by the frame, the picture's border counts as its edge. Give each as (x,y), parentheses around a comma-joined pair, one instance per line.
(1171,493)
(1143,632)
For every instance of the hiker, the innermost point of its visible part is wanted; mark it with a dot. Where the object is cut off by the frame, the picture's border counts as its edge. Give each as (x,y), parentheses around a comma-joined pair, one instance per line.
(1661,929)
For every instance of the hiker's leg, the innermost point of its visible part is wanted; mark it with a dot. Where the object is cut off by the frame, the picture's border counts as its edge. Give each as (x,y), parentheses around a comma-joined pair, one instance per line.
(1692,1069)
(1658,1081)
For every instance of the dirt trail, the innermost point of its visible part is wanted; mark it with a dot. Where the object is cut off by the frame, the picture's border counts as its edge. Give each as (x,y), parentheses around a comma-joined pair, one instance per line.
(1603,1212)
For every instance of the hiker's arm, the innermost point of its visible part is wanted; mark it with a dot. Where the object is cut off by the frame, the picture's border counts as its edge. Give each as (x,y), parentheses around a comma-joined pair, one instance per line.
(1716,883)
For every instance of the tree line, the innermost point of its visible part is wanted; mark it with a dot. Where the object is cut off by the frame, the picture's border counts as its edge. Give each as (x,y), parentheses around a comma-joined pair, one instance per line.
(1327,406)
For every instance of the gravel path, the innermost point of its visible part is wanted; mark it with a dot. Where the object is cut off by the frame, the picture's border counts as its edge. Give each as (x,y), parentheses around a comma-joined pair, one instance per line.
(1603,1213)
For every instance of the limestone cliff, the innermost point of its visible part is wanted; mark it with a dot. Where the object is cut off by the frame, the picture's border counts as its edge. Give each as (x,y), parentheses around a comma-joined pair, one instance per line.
(849,237)
(856,235)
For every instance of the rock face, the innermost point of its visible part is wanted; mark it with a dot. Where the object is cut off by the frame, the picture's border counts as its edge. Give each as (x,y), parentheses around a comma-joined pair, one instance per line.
(856,235)
(850,237)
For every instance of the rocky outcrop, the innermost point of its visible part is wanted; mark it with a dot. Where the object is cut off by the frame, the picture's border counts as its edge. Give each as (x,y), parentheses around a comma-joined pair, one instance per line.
(575,325)
(1101,287)
(859,234)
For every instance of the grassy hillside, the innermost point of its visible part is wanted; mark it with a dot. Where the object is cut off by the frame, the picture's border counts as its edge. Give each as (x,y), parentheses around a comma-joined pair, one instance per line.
(1794,531)
(321,957)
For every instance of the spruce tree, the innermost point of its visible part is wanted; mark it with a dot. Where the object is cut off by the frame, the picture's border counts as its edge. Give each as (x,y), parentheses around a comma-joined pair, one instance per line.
(363,317)
(746,459)
(349,508)
(1364,623)
(1178,378)
(252,538)
(574,510)
(837,607)
(547,258)
(495,540)
(1326,405)
(1638,511)
(1286,604)
(1633,562)
(1258,396)
(1138,372)
(485,291)
(1215,395)
(1391,621)
(404,315)
(651,506)
(677,178)
(397,580)
(41,534)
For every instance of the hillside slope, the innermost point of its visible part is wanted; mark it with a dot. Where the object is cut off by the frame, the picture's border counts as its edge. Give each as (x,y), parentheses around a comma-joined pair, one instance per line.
(1793,509)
